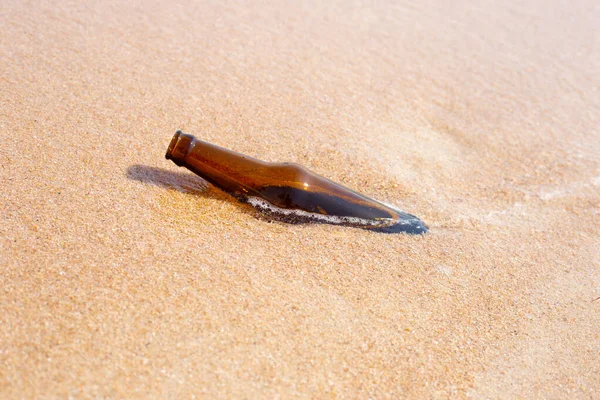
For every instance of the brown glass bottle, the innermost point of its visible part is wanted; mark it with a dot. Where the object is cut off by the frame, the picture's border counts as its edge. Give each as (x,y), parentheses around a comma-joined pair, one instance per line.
(286,191)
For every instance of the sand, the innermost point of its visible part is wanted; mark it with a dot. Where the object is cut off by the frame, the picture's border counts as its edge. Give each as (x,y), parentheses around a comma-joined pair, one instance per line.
(123,276)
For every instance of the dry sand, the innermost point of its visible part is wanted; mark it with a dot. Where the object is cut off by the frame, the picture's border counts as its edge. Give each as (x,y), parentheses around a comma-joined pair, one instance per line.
(122,276)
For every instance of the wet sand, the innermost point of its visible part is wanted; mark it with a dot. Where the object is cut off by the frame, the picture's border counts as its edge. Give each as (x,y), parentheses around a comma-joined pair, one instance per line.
(124,276)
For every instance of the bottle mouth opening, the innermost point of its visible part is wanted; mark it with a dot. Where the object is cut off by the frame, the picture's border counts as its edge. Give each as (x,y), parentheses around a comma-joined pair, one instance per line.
(179,148)
(172,145)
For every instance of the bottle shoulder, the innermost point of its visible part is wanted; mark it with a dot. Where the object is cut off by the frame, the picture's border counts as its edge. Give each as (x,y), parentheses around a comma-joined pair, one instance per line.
(291,172)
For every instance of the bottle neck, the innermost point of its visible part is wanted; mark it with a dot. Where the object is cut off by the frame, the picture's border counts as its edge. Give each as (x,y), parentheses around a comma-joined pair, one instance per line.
(228,170)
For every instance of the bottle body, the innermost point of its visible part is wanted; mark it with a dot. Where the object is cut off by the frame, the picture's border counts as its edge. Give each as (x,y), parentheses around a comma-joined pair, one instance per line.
(285,187)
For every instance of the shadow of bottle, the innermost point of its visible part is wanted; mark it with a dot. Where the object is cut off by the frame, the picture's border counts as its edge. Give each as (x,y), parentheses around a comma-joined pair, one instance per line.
(178,181)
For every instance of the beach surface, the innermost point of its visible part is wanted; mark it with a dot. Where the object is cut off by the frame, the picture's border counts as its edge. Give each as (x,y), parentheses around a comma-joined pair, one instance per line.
(124,276)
